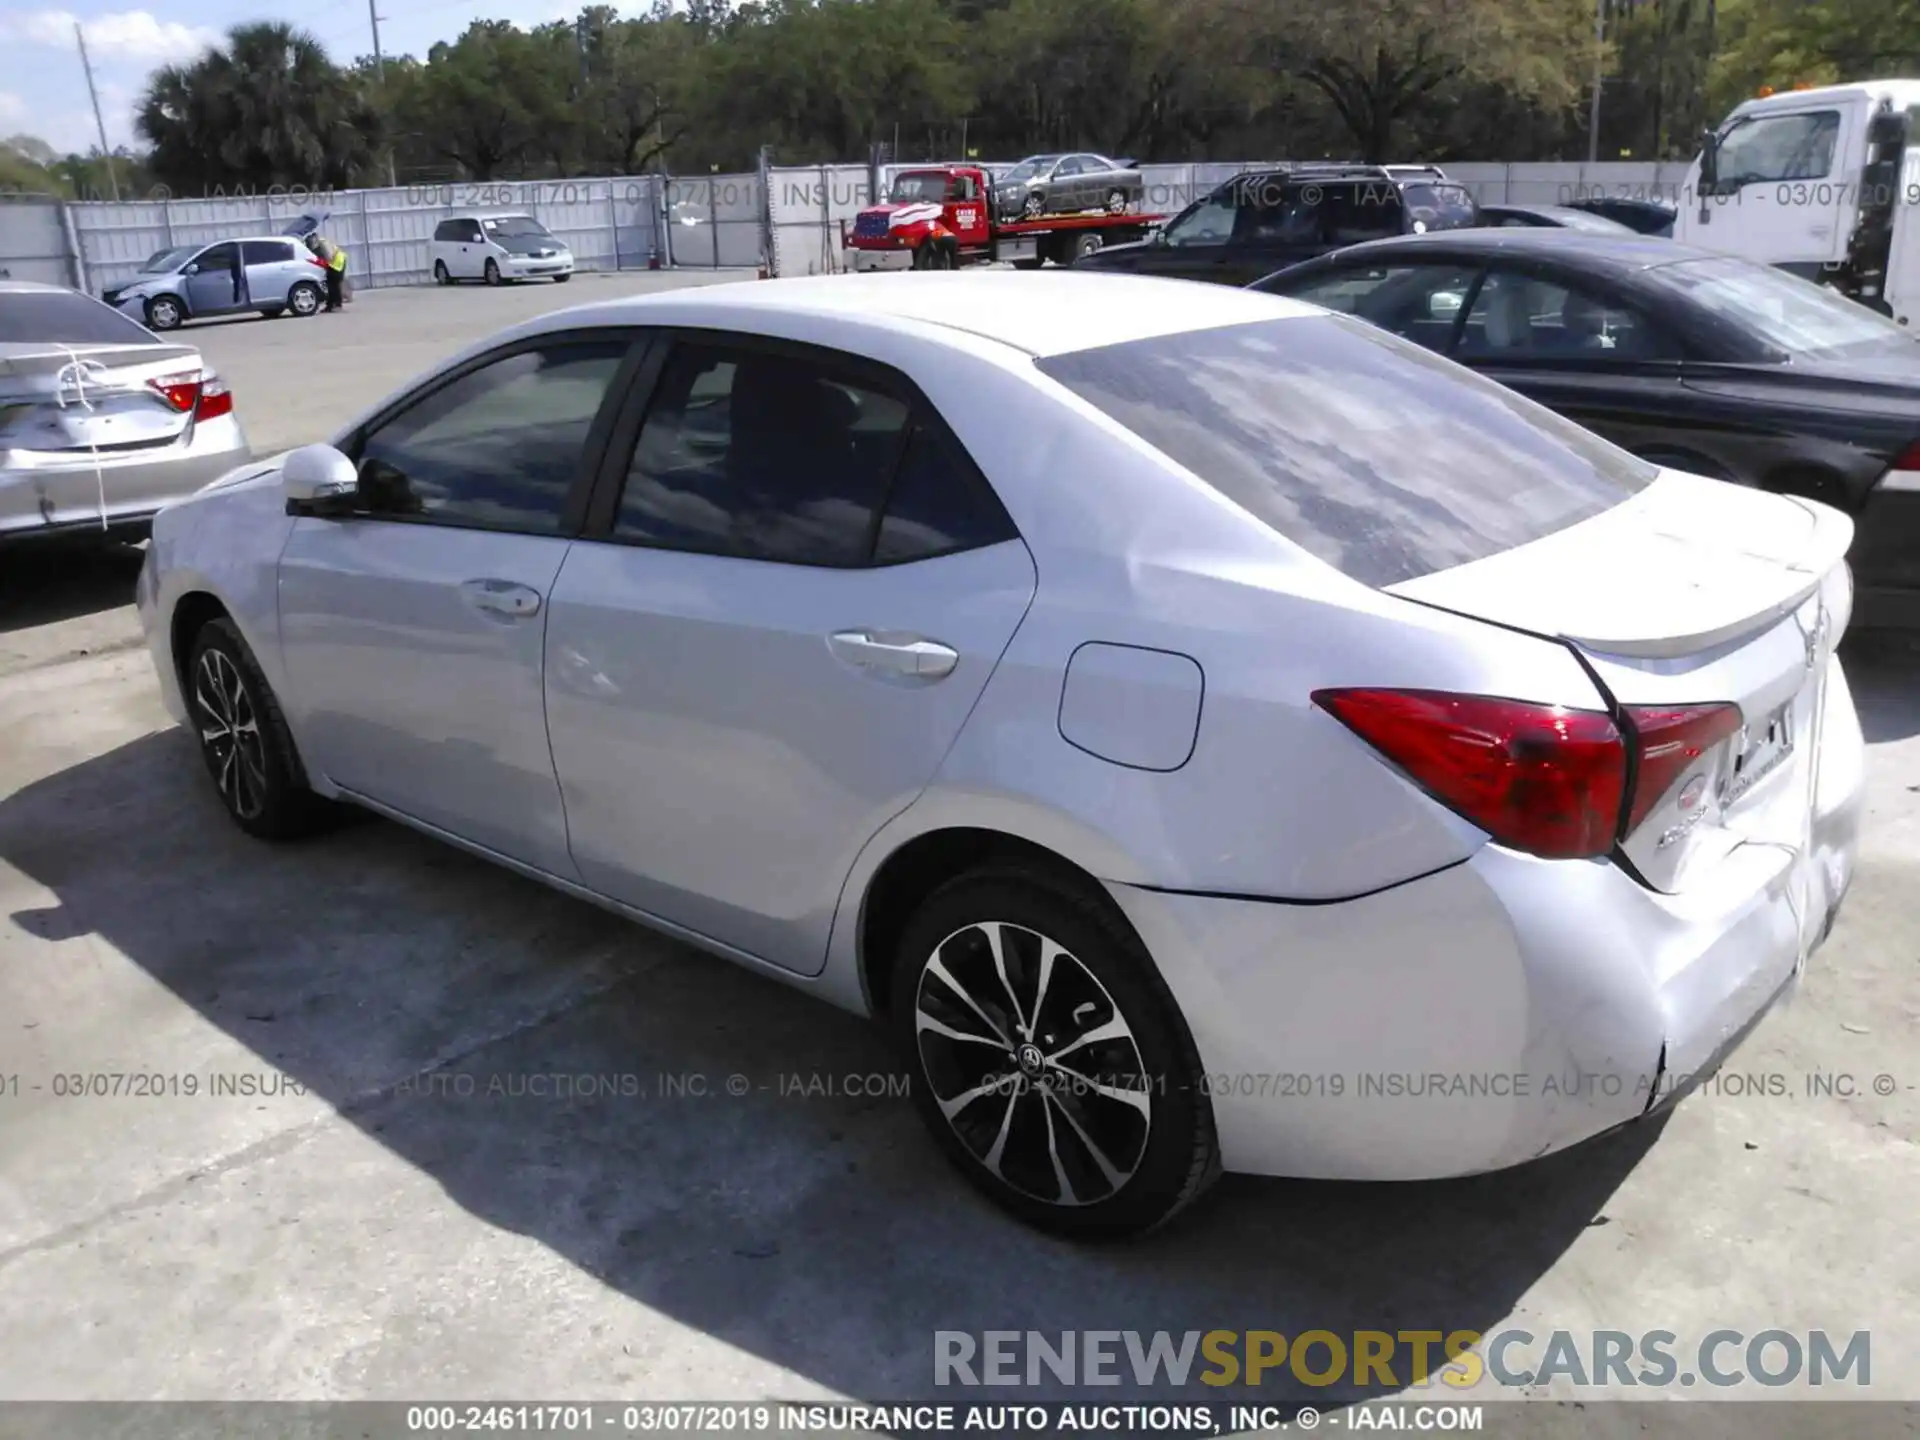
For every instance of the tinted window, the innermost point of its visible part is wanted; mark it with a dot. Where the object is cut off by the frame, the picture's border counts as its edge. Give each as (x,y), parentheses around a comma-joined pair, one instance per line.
(1275,214)
(1369,211)
(1793,317)
(1208,223)
(1520,317)
(1421,302)
(266,252)
(1778,147)
(1439,207)
(939,503)
(500,447)
(219,257)
(762,456)
(447,230)
(1384,460)
(53,317)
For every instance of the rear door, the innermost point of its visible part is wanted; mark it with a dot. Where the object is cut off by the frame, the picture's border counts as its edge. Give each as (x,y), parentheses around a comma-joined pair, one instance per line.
(792,589)
(1585,351)
(272,267)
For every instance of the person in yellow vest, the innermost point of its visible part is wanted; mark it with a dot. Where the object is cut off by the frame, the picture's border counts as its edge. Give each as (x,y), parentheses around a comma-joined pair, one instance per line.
(335,259)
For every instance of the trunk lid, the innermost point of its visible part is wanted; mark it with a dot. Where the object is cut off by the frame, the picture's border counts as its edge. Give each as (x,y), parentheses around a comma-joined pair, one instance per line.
(99,397)
(1689,595)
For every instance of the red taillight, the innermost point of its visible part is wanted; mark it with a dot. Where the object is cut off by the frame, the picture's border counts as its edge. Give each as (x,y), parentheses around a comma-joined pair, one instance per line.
(215,400)
(179,391)
(1668,742)
(1539,778)
(316,260)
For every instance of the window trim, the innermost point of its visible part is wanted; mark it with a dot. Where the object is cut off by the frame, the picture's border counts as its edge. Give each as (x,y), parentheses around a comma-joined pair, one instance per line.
(602,503)
(574,508)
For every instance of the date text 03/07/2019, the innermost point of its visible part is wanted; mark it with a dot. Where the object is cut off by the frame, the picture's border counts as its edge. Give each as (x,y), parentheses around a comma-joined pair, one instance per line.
(723,1418)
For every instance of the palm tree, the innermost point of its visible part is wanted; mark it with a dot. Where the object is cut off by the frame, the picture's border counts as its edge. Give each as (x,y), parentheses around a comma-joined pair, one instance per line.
(267,109)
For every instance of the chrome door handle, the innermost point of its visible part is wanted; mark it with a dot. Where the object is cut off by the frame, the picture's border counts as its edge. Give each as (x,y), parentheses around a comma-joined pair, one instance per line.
(503,597)
(902,656)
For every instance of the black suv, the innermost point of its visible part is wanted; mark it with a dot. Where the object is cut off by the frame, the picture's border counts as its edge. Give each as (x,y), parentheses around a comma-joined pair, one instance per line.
(1264,220)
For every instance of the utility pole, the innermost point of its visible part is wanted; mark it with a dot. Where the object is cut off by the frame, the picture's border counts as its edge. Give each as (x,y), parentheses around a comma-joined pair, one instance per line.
(1599,60)
(106,151)
(380,74)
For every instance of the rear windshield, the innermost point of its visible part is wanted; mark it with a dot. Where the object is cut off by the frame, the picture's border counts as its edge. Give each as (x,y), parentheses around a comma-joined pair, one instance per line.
(1796,317)
(50,318)
(1381,458)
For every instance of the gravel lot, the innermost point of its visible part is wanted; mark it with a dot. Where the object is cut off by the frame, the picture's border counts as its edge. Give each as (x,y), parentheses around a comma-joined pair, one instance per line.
(359,1217)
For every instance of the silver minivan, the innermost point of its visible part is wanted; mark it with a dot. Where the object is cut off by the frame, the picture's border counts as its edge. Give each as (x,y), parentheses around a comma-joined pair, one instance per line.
(264,274)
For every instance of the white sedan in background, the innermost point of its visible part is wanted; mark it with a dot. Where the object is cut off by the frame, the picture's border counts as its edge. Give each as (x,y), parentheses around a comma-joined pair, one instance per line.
(1191,721)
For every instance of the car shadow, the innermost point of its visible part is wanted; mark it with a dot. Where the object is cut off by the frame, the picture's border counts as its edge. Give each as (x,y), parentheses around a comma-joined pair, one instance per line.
(727,1157)
(1881,666)
(45,581)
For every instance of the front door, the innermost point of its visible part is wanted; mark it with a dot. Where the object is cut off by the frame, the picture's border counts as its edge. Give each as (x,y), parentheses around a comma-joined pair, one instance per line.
(793,608)
(1194,245)
(414,630)
(1787,189)
(215,287)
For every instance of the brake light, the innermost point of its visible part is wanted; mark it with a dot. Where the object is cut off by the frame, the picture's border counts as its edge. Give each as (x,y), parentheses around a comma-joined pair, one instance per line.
(179,391)
(215,400)
(1539,778)
(316,260)
(1667,743)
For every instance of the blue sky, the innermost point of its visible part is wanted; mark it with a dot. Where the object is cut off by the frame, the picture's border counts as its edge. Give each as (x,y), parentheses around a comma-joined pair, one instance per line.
(43,90)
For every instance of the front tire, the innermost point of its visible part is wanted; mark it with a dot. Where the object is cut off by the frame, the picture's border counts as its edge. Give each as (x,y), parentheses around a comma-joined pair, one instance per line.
(1048,1058)
(244,739)
(164,313)
(1034,206)
(493,273)
(563,279)
(442,275)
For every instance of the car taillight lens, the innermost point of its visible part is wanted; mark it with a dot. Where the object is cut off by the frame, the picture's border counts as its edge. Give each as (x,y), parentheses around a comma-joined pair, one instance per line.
(179,391)
(215,400)
(1907,459)
(1539,778)
(316,260)
(1667,744)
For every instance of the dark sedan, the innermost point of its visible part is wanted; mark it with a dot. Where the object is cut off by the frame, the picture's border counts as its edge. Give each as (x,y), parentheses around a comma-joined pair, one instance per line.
(1690,359)
(1551,217)
(1643,217)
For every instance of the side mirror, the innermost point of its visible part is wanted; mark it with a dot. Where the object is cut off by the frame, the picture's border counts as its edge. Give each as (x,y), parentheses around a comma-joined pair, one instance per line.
(192,269)
(318,480)
(1709,162)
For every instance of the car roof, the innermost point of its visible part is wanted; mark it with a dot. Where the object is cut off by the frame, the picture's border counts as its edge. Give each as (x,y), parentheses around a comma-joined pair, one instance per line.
(1040,313)
(1591,249)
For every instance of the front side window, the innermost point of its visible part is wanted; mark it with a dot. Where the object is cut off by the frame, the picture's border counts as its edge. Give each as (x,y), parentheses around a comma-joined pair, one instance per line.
(165,260)
(1208,223)
(1420,302)
(1777,147)
(500,448)
(1382,459)
(219,257)
(1522,318)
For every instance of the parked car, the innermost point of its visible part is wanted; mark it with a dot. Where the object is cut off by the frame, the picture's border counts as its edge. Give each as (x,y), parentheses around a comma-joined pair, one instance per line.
(101,421)
(1699,361)
(1066,185)
(263,274)
(789,619)
(1563,217)
(497,248)
(1647,217)
(1260,221)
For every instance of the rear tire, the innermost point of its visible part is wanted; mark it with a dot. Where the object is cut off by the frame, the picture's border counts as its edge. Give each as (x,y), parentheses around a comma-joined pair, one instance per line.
(1116,202)
(1087,245)
(1032,1132)
(304,299)
(244,739)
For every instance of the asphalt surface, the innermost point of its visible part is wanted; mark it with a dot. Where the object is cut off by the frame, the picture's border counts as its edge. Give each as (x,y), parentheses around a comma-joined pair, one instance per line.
(344,1164)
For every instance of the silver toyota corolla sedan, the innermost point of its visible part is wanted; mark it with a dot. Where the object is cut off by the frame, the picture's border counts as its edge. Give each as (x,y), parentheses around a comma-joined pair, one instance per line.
(101,421)
(1208,731)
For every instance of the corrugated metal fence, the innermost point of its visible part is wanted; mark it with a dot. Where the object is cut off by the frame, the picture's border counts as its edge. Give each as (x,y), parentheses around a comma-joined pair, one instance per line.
(788,218)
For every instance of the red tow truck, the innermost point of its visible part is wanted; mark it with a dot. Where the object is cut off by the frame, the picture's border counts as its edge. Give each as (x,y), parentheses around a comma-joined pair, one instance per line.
(940,217)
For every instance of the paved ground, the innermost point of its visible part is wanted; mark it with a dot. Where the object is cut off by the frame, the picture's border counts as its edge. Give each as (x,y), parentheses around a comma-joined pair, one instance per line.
(378,1207)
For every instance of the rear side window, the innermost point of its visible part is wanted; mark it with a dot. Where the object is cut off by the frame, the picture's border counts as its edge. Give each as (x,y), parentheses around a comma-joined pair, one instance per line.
(266,252)
(939,503)
(447,230)
(1382,459)
(53,318)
